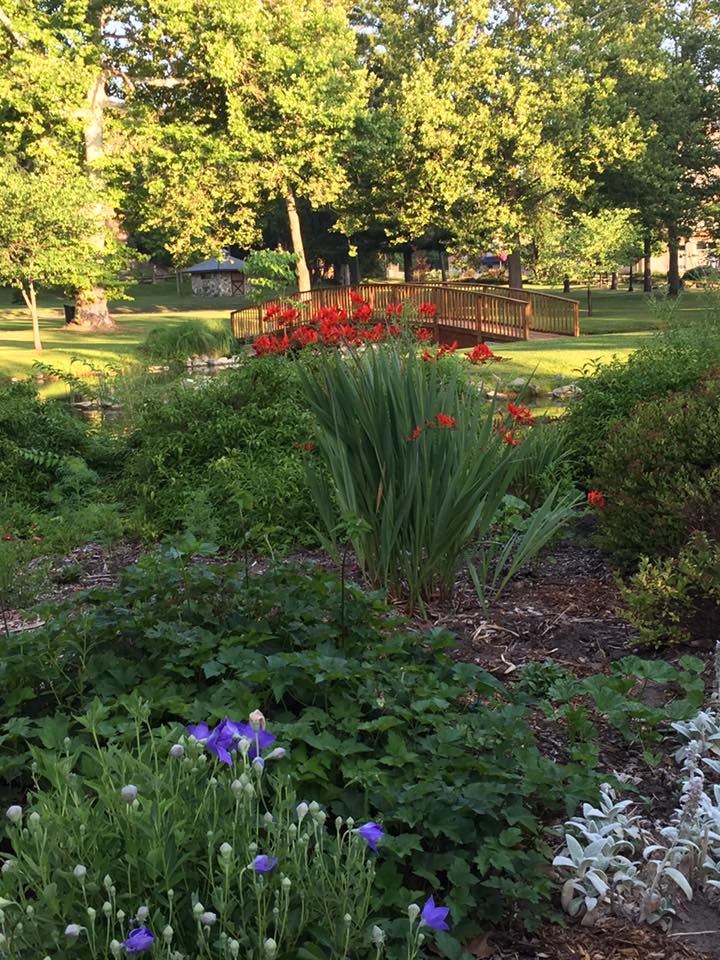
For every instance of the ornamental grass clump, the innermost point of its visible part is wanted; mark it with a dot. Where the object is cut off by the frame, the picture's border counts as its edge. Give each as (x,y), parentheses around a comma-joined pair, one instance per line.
(191,846)
(418,464)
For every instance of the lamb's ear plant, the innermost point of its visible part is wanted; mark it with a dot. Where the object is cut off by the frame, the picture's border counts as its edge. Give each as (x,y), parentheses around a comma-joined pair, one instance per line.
(194,845)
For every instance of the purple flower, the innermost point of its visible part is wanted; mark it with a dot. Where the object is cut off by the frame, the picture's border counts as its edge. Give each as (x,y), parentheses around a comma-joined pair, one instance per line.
(434,917)
(221,739)
(201,731)
(372,833)
(139,940)
(264,863)
(257,738)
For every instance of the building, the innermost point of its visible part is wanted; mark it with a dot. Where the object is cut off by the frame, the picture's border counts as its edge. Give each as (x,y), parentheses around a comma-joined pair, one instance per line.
(224,277)
(699,250)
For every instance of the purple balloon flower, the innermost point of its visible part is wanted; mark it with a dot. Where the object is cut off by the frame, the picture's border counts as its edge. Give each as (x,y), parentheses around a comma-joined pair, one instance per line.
(264,863)
(201,731)
(139,940)
(372,833)
(221,739)
(257,738)
(434,917)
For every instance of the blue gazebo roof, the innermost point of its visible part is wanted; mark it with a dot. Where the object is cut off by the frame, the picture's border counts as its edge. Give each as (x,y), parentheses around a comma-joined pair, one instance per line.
(226,264)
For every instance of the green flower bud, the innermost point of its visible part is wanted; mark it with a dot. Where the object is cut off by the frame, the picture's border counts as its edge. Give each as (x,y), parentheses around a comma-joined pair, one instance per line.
(167,934)
(270,948)
(115,948)
(413,912)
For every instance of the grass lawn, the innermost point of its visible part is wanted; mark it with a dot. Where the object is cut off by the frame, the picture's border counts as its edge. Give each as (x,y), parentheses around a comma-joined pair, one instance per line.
(620,323)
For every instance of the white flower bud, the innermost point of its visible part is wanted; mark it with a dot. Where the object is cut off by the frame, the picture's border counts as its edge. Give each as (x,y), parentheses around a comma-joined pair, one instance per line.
(73,930)
(350,822)
(252,848)
(348,919)
(421,938)
(225,851)
(302,809)
(34,819)
(413,911)
(249,790)
(270,948)
(292,831)
(198,909)
(29,910)
(321,817)
(142,914)
(129,792)
(258,765)
(177,750)
(277,754)
(107,881)
(92,913)
(267,818)
(120,915)
(167,934)
(14,813)
(234,947)
(378,936)
(208,919)
(115,948)
(8,866)
(107,908)
(243,745)
(237,788)
(286,883)
(80,872)
(314,808)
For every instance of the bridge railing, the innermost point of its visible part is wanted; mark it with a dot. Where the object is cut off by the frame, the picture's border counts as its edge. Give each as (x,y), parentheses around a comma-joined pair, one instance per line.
(549,313)
(467,310)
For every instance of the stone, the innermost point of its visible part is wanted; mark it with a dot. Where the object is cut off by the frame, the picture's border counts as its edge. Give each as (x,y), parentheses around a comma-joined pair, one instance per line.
(222,362)
(570,391)
(527,387)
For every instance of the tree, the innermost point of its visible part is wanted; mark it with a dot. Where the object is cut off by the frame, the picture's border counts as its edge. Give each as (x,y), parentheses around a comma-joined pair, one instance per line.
(48,234)
(589,244)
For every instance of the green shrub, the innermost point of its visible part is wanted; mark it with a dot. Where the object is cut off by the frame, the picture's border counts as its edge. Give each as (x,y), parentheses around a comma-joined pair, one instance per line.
(418,463)
(660,475)
(190,338)
(225,458)
(173,840)
(380,723)
(674,359)
(677,599)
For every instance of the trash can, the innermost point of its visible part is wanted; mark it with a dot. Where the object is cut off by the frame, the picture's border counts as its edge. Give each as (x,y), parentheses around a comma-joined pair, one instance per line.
(69,312)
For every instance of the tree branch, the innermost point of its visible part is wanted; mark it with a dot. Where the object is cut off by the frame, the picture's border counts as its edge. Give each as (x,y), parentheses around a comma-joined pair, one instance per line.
(18,39)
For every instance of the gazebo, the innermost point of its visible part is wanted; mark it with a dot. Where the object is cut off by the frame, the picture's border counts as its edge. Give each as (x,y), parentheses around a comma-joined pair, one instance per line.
(224,277)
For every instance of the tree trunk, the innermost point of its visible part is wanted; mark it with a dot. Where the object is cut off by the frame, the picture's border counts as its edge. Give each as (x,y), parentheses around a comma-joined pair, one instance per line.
(589,300)
(515,280)
(673,264)
(354,270)
(301,267)
(31,301)
(613,280)
(443,266)
(631,279)
(647,264)
(408,264)
(566,285)
(91,308)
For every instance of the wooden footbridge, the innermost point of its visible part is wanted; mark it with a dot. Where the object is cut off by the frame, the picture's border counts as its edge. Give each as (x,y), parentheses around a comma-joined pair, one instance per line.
(466,312)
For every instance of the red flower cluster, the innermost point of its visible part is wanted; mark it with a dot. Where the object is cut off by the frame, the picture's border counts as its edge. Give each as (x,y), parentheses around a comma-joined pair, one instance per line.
(424,335)
(429,357)
(428,309)
(329,326)
(394,309)
(284,316)
(305,446)
(356,297)
(481,354)
(362,313)
(8,537)
(522,415)
(596,499)
(442,420)
(509,437)
(269,343)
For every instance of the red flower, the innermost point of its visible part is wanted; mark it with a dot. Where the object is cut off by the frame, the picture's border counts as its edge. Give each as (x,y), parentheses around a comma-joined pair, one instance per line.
(394,329)
(8,536)
(447,348)
(363,313)
(270,344)
(423,334)
(443,420)
(272,311)
(481,354)
(304,336)
(596,499)
(427,356)
(414,435)
(394,309)
(288,316)
(509,437)
(355,297)
(428,309)
(520,414)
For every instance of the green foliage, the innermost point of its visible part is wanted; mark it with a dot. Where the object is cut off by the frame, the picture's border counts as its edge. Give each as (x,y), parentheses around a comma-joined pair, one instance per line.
(590,244)
(223,457)
(181,852)
(544,462)
(677,599)
(269,272)
(660,475)
(380,722)
(673,359)
(191,338)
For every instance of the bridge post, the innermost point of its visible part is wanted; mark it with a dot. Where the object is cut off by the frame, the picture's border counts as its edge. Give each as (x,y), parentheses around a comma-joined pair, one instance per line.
(576,318)
(527,319)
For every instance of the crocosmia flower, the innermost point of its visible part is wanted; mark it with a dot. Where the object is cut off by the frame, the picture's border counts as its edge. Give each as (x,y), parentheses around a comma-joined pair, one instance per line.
(443,420)
(372,833)
(433,916)
(596,499)
(138,941)
(264,864)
